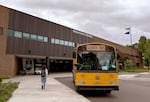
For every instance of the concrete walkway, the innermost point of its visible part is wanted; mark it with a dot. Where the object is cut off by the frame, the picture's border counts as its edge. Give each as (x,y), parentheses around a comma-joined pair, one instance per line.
(30,90)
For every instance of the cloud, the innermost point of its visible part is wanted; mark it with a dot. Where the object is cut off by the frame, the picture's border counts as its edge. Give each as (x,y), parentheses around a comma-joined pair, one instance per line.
(104,18)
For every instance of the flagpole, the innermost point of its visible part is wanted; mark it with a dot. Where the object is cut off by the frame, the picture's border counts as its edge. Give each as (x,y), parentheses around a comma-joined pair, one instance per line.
(130,37)
(131,47)
(130,33)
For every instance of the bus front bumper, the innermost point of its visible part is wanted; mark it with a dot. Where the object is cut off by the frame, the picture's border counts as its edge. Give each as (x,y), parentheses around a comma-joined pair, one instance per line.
(98,88)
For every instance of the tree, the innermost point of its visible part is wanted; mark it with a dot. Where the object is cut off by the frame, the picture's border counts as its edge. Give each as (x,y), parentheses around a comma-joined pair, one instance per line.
(147,53)
(144,47)
(141,44)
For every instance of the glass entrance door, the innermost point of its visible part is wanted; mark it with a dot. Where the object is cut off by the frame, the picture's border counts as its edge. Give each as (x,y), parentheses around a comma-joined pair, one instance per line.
(28,65)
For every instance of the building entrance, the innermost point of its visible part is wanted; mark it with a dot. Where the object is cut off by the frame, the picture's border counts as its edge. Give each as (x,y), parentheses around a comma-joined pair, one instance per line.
(33,65)
(60,65)
(28,65)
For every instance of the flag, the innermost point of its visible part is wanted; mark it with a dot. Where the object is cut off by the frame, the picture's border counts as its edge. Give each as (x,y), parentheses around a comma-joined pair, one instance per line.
(127,33)
(127,28)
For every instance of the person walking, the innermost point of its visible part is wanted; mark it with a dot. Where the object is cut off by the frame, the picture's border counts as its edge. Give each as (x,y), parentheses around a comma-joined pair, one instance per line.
(44,74)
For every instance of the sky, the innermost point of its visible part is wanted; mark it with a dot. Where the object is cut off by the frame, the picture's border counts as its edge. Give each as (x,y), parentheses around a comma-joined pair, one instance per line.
(106,19)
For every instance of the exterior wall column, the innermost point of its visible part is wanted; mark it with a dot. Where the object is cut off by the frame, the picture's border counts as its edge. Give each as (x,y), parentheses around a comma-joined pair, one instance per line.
(7,62)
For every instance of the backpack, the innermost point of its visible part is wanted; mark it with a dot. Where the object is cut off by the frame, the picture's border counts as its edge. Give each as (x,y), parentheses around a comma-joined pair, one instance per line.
(43,74)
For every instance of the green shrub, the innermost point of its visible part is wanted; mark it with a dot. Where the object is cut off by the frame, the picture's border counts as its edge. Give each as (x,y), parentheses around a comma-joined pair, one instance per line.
(137,70)
(4,77)
(128,64)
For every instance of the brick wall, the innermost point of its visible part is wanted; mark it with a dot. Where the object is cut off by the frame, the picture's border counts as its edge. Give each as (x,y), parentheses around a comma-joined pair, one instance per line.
(7,62)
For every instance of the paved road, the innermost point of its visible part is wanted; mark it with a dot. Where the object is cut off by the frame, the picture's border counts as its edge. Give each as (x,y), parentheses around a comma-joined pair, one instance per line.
(135,89)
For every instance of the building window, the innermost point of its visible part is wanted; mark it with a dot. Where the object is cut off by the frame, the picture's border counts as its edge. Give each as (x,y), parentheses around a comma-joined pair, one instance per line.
(53,40)
(26,35)
(1,30)
(18,34)
(56,41)
(66,43)
(70,43)
(62,42)
(10,32)
(33,37)
(73,44)
(45,39)
(40,38)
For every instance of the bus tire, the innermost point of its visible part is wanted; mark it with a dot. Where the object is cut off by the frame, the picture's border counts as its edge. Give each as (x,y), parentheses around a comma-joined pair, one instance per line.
(77,89)
(73,80)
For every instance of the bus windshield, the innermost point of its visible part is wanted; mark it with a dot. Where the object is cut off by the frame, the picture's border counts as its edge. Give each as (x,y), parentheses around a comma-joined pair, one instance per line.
(103,61)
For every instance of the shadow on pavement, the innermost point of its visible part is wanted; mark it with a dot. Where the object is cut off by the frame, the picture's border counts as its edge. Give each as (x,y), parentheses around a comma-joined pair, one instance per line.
(90,93)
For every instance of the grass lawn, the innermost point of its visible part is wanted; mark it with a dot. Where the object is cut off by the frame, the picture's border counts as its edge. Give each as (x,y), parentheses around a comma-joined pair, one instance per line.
(136,70)
(6,90)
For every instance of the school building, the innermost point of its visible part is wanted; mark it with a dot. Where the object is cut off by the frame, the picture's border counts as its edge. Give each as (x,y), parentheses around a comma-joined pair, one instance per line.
(28,42)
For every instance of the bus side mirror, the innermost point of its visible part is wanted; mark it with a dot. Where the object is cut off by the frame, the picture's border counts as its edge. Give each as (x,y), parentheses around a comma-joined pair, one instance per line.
(74,54)
(77,65)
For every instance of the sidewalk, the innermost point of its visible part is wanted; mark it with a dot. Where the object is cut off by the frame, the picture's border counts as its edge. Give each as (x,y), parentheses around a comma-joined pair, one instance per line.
(30,90)
(144,76)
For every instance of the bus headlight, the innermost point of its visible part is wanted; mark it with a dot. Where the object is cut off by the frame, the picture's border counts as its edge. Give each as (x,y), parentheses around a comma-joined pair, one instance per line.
(112,82)
(81,82)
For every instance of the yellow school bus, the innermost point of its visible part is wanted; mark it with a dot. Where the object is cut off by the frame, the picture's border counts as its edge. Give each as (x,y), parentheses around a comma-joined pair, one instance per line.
(95,67)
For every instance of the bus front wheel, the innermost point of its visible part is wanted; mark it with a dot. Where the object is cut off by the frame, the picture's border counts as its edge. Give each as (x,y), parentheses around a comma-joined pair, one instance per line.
(77,89)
